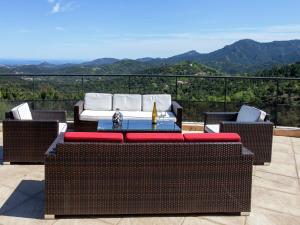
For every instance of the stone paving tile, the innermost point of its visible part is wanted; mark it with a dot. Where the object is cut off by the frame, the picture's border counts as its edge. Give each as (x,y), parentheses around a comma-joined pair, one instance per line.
(282,148)
(281,139)
(261,216)
(16,175)
(280,169)
(296,148)
(276,182)
(152,221)
(199,221)
(275,200)
(80,221)
(226,220)
(284,158)
(298,164)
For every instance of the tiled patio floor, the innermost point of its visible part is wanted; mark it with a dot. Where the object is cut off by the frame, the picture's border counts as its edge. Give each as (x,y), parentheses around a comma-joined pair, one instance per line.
(275,198)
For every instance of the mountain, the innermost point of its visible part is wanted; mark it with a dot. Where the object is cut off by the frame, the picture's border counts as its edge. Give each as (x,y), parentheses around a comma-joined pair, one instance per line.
(248,55)
(102,61)
(244,56)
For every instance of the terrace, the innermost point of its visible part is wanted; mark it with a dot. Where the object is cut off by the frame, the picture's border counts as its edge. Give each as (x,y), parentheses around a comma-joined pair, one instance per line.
(275,188)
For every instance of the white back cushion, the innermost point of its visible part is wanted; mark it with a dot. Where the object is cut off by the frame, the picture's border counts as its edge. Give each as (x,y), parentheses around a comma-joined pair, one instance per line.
(98,101)
(249,114)
(127,102)
(163,102)
(22,112)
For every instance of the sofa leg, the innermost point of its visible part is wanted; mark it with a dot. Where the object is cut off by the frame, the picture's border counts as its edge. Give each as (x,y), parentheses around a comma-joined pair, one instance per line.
(49,217)
(6,163)
(267,164)
(245,213)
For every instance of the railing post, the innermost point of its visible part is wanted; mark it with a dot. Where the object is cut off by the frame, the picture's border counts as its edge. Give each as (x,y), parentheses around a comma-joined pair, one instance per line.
(82,91)
(129,84)
(33,92)
(277,101)
(225,95)
(176,88)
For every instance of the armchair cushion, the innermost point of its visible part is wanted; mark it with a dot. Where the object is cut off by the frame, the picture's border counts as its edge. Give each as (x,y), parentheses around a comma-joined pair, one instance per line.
(213,128)
(154,137)
(127,102)
(250,114)
(93,137)
(98,101)
(163,102)
(22,112)
(62,127)
(212,137)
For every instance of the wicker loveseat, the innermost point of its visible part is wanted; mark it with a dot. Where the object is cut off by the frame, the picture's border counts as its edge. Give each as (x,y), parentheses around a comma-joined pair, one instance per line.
(136,177)
(97,106)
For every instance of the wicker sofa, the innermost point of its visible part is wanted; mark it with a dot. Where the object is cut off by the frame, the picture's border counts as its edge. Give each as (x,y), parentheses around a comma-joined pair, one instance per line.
(105,178)
(27,134)
(256,133)
(97,106)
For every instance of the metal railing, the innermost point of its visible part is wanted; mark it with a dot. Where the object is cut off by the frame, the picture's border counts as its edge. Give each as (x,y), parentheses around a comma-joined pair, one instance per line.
(279,96)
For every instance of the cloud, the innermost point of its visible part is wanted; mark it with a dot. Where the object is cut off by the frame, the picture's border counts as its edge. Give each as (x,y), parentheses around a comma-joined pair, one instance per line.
(58,28)
(59,6)
(56,8)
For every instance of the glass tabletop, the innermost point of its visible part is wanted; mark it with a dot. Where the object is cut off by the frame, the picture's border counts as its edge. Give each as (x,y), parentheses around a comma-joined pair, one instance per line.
(139,126)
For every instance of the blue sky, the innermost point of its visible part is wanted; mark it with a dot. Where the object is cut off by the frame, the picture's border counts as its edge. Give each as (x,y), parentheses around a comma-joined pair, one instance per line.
(89,29)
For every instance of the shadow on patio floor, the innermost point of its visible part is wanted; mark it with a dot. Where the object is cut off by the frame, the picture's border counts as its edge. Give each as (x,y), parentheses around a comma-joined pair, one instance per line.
(26,201)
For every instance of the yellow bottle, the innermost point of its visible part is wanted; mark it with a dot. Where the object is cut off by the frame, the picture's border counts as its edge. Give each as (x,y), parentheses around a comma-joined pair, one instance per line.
(154,114)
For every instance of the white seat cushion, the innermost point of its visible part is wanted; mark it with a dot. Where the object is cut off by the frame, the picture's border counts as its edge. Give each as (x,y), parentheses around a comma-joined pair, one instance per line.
(163,102)
(62,127)
(250,114)
(22,112)
(90,115)
(213,128)
(127,102)
(141,115)
(98,101)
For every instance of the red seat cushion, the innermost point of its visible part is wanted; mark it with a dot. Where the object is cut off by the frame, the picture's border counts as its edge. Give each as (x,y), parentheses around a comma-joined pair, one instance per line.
(93,137)
(154,137)
(212,137)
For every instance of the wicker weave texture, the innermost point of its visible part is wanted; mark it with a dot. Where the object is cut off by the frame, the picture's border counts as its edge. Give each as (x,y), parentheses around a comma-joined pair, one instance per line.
(256,136)
(147,178)
(27,141)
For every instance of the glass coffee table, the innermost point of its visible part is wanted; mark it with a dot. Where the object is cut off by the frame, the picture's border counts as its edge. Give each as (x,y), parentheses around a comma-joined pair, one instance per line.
(145,126)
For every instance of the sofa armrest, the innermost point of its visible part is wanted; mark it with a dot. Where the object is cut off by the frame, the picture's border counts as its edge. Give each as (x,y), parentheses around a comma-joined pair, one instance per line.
(51,151)
(78,108)
(256,136)
(177,109)
(217,117)
(46,115)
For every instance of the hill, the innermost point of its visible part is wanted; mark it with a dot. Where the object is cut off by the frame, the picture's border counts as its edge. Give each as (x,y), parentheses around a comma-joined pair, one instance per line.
(291,70)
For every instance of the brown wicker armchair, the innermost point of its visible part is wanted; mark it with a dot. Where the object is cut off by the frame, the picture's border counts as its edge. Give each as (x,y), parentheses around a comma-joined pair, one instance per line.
(256,136)
(28,140)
